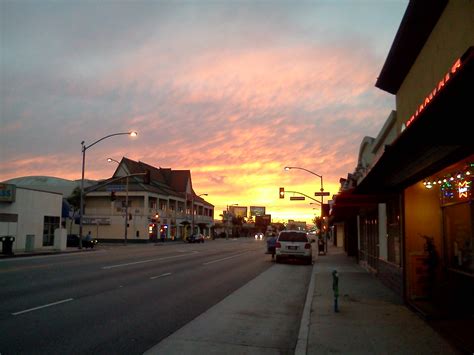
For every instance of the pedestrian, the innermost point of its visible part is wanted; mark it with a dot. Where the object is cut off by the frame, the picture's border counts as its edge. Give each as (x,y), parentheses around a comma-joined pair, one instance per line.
(271,244)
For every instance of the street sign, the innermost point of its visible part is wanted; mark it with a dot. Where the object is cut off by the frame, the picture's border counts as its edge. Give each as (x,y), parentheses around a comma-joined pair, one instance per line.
(297,198)
(321,194)
(115,188)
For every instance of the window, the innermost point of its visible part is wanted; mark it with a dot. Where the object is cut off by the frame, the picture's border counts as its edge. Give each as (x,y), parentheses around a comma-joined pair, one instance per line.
(49,226)
(292,237)
(393,231)
(459,239)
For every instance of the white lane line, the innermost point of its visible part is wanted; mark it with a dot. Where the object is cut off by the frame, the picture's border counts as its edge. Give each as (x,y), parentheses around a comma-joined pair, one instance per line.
(144,261)
(229,257)
(162,275)
(43,306)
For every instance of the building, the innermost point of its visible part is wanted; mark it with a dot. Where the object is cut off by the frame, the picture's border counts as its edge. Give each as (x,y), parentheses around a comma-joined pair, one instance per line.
(32,217)
(140,203)
(407,208)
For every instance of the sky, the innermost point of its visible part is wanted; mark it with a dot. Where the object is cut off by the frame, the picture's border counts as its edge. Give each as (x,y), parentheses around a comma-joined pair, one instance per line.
(232,90)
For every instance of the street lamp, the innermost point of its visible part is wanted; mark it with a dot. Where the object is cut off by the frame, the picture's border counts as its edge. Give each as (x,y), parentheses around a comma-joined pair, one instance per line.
(287,168)
(192,212)
(110,160)
(83,149)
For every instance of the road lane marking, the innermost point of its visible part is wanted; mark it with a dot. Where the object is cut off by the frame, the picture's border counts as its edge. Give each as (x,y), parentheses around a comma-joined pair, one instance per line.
(143,261)
(229,257)
(43,306)
(162,275)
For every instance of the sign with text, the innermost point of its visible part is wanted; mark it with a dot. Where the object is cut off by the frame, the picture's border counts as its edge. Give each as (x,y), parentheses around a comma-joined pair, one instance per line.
(238,211)
(257,211)
(115,188)
(321,193)
(7,192)
(297,198)
(96,220)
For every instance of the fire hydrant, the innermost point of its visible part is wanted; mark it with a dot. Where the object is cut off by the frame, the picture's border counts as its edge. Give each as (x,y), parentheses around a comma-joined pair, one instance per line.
(335,288)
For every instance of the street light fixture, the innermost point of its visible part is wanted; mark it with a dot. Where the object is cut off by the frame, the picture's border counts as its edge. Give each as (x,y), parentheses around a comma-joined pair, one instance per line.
(192,212)
(287,168)
(110,160)
(83,149)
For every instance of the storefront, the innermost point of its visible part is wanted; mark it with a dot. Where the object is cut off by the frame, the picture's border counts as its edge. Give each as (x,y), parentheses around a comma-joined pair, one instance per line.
(439,217)
(427,166)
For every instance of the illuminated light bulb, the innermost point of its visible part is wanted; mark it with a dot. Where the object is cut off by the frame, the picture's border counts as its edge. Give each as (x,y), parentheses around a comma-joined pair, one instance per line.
(424,183)
(429,186)
(445,180)
(468,173)
(451,178)
(459,176)
(434,182)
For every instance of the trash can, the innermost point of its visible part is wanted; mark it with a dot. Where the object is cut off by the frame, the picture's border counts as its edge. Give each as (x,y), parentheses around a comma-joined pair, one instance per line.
(7,244)
(30,242)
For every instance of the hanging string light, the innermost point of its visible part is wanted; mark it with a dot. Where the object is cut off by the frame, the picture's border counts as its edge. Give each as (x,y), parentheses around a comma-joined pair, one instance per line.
(454,184)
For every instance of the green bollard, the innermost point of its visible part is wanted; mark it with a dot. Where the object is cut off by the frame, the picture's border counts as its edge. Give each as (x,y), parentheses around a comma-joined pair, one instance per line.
(335,288)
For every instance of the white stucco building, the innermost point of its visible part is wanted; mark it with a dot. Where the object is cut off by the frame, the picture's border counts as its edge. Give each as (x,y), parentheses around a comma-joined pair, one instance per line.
(32,217)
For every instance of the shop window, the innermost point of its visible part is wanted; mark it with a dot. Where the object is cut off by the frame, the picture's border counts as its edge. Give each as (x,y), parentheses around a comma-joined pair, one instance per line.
(393,231)
(459,239)
(50,224)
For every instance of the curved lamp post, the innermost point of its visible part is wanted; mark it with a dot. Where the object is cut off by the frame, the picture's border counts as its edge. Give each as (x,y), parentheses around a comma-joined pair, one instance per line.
(110,160)
(287,168)
(83,149)
(192,212)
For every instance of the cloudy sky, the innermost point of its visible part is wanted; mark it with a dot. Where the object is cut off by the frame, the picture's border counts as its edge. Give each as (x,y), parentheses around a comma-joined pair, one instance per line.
(232,90)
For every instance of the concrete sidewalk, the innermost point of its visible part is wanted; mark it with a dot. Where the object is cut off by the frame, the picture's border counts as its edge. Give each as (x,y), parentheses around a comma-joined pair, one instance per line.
(371,318)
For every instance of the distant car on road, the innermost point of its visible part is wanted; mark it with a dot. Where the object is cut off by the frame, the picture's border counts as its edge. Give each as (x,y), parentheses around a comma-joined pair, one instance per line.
(259,236)
(73,241)
(293,244)
(196,238)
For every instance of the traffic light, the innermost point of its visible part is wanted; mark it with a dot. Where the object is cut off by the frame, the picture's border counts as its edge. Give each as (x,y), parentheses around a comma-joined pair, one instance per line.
(146,177)
(282,192)
(112,196)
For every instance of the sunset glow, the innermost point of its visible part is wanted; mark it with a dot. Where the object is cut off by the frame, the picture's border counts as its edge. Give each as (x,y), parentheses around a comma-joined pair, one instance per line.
(232,91)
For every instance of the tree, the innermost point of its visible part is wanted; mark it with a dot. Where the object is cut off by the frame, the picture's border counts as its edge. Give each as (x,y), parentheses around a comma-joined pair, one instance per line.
(74,201)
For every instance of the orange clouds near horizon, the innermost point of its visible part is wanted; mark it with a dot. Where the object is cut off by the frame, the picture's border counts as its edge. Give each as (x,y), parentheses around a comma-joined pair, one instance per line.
(233,92)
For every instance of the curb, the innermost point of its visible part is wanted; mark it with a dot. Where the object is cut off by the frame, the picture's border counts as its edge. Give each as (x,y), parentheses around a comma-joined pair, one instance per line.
(303,334)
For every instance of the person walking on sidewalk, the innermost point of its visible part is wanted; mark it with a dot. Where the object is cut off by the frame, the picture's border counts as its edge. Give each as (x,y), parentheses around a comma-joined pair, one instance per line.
(271,244)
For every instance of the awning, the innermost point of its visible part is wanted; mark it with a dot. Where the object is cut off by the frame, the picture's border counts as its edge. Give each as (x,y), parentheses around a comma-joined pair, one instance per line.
(348,204)
(439,136)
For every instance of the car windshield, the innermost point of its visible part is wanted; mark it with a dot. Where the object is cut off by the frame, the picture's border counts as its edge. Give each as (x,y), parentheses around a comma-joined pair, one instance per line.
(292,237)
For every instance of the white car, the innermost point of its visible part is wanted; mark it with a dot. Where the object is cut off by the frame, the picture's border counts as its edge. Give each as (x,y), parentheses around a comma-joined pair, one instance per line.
(259,236)
(293,244)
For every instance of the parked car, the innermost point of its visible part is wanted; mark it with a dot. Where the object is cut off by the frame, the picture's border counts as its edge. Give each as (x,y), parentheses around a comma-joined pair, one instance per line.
(73,241)
(196,238)
(259,236)
(293,244)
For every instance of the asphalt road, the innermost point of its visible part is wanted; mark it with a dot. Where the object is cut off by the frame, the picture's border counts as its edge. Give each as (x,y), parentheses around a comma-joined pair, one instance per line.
(117,299)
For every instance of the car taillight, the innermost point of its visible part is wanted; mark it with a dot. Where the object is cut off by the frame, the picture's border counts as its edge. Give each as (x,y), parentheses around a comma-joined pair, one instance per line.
(307,246)
(277,245)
